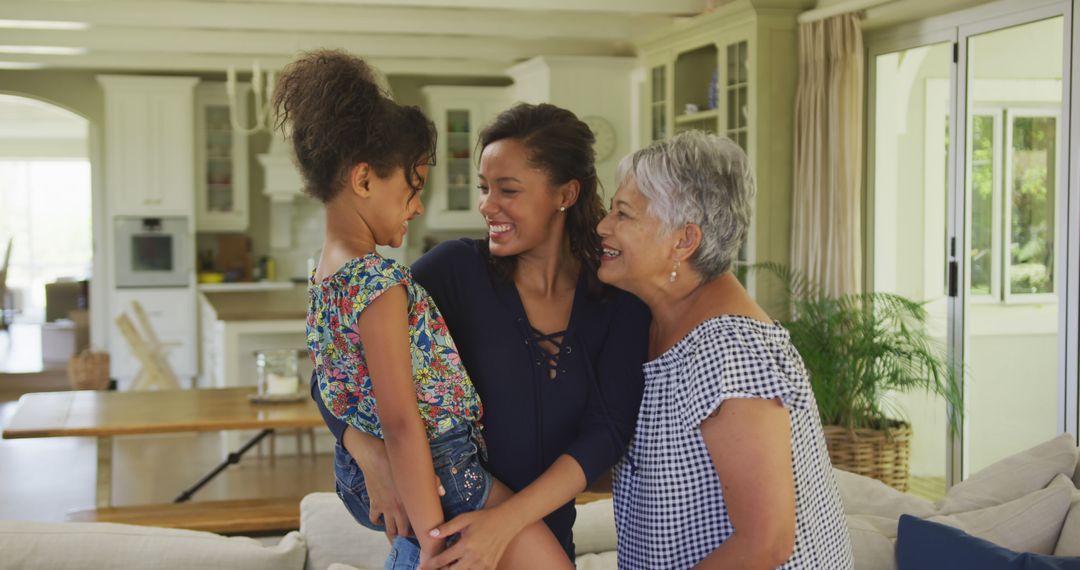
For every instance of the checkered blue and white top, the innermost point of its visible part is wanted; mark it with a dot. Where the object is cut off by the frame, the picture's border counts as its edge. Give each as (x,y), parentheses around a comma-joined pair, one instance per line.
(669,505)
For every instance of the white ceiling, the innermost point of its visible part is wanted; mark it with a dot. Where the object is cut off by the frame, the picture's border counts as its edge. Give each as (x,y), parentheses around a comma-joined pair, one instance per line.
(402,37)
(426,37)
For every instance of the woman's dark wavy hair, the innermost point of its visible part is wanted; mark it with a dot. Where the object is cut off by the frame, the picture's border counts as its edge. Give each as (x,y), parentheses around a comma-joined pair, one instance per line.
(341,117)
(561,145)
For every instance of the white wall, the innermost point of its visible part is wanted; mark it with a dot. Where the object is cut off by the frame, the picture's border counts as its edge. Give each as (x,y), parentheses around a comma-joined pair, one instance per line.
(587,86)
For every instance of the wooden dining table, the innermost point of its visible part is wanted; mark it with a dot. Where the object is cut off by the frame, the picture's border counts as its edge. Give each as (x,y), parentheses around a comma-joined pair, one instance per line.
(106,414)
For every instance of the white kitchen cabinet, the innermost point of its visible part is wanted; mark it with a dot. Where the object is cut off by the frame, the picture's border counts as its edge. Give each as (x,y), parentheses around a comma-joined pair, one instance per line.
(149,144)
(221,160)
(734,72)
(459,113)
(171,312)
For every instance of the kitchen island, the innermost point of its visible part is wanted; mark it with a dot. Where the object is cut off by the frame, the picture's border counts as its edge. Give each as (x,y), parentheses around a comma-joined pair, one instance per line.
(238,320)
(236,323)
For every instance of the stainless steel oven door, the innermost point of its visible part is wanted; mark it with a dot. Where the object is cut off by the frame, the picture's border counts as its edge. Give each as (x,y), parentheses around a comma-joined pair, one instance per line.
(152,252)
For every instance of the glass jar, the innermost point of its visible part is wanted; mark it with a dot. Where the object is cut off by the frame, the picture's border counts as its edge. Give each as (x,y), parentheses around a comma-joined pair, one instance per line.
(277,372)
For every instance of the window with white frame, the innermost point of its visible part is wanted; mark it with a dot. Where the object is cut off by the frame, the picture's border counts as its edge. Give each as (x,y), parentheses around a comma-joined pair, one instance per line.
(45,207)
(1011,203)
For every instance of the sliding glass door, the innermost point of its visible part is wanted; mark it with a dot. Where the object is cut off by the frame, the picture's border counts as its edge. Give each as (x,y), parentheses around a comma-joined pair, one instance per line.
(913,100)
(1014,165)
(968,196)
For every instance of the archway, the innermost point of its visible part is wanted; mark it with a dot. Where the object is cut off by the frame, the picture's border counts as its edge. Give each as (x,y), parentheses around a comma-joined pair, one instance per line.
(46,215)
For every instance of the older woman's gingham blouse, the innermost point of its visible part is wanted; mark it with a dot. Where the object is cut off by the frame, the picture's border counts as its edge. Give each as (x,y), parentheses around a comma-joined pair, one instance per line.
(669,505)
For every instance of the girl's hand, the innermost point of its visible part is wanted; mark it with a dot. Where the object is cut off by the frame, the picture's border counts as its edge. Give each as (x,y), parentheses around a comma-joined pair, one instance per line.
(384,500)
(484,537)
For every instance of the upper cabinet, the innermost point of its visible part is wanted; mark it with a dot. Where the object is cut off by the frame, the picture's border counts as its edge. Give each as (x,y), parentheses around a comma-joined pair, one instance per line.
(700,79)
(459,113)
(149,144)
(733,72)
(221,160)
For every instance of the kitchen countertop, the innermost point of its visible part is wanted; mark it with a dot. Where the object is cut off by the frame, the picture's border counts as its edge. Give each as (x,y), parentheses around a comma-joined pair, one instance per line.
(259,305)
(247,286)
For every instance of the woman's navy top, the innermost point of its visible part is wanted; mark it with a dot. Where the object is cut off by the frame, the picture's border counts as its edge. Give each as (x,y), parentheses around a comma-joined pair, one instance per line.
(587,411)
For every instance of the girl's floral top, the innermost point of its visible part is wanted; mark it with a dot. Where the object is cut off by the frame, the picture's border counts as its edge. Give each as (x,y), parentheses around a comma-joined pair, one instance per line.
(444,393)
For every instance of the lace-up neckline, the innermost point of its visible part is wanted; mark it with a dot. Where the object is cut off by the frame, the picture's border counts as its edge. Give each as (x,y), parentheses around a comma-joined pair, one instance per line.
(551,345)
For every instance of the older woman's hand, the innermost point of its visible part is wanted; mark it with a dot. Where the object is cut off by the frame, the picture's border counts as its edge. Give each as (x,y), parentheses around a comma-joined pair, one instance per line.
(484,537)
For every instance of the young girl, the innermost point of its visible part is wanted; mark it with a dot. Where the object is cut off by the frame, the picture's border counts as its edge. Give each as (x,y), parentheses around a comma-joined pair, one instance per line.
(379,344)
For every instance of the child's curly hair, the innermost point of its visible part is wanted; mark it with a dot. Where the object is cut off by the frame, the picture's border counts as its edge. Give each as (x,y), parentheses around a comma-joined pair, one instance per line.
(340,117)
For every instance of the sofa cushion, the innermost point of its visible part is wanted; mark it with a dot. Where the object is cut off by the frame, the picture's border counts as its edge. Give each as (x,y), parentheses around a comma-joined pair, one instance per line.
(925,545)
(598,561)
(1031,523)
(334,536)
(60,546)
(866,496)
(1069,541)
(1013,477)
(872,539)
(594,528)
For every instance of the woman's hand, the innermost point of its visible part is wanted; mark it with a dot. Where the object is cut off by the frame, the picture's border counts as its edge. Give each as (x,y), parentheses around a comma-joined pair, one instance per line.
(384,500)
(484,537)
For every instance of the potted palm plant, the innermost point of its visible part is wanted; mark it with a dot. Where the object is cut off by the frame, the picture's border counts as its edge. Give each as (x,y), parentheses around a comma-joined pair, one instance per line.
(860,350)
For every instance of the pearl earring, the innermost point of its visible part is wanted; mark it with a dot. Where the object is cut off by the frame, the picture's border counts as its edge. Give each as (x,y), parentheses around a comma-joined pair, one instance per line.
(562,208)
(674,272)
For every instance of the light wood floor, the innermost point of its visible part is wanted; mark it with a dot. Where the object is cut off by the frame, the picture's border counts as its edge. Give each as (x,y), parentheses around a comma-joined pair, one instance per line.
(43,479)
(929,488)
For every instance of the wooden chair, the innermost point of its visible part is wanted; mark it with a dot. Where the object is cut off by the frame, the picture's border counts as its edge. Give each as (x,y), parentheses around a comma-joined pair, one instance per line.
(299,433)
(156,372)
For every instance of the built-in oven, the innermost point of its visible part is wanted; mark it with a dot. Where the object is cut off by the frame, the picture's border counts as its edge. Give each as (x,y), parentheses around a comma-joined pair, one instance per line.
(152,252)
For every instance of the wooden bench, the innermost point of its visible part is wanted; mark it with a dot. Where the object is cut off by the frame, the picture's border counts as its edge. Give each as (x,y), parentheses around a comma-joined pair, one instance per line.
(590,496)
(245,516)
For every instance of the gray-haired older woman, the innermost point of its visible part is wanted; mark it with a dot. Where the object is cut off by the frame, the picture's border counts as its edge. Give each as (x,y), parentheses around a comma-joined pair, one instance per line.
(728,466)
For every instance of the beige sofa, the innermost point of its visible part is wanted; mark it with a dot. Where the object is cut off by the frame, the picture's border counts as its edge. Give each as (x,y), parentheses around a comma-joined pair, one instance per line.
(328,537)
(1027,502)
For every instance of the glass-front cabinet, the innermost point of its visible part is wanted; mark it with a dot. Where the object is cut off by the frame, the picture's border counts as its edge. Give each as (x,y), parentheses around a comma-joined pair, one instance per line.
(658,103)
(695,94)
(221,160)
(737,92)
(459,113)
(708,89)
(708,74)
(458,157)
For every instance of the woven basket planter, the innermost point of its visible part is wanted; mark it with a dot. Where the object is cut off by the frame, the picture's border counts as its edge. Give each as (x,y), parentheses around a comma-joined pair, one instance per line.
(882,455)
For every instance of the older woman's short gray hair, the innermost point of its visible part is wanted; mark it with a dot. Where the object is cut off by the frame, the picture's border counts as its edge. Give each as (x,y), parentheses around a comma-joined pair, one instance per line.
(697,178)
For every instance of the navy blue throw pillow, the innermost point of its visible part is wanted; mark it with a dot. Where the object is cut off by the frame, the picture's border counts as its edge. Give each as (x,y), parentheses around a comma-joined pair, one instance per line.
(925,545)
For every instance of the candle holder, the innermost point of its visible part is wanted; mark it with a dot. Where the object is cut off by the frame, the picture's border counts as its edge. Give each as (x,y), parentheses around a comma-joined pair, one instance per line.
(278,375)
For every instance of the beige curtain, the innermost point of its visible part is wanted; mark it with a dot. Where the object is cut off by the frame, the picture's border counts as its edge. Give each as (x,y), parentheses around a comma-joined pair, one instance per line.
(826,233)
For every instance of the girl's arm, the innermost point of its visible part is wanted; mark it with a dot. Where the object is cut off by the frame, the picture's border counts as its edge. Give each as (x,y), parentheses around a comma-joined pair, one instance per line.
(749,440)
(384,333)
(369,452)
